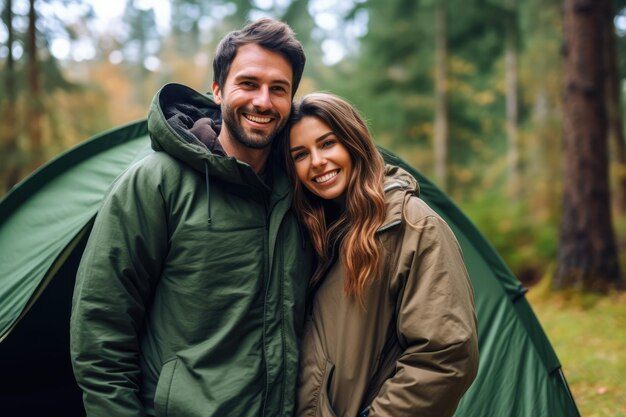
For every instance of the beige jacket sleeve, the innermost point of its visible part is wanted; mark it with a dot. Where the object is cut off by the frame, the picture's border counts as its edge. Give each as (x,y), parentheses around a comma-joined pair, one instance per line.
(436,323)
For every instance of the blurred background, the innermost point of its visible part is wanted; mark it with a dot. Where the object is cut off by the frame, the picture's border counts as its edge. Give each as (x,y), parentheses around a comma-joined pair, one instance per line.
(470,92)
(467,91)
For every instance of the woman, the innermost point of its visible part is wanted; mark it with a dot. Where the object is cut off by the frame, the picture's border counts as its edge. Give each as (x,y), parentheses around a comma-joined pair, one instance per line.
(391,329)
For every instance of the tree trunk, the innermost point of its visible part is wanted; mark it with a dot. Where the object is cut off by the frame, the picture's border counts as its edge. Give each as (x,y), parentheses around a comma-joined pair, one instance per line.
(513,154)
(587,256)
(35,96)
(441,100)
(10,66)
(616,125)
(10,173)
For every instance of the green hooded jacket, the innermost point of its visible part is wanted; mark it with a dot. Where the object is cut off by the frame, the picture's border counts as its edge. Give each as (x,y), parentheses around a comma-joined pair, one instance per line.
(189,299)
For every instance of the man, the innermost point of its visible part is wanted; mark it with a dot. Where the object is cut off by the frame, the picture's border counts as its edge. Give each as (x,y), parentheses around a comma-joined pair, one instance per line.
(189,296)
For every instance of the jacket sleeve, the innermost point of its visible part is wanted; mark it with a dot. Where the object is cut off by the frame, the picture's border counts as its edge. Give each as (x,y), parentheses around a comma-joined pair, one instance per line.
(436,326)
(116,277)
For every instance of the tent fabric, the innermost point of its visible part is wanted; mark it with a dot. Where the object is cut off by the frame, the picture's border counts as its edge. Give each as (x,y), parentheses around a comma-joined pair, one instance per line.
(44,222)
(41,216)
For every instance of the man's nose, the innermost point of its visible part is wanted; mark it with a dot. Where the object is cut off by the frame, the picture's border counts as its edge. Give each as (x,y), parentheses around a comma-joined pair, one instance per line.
(262,100)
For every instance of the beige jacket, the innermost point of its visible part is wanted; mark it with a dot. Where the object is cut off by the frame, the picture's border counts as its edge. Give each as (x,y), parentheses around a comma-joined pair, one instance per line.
(412,351)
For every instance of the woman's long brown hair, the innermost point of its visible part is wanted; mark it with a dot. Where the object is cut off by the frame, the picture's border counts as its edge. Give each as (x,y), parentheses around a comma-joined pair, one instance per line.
(354,228)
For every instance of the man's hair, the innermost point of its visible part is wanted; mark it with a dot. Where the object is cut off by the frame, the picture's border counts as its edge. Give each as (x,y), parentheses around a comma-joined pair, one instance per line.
(270,34)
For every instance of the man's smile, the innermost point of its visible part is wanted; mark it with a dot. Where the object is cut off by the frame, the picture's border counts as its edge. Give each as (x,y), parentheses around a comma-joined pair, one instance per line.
(258,119)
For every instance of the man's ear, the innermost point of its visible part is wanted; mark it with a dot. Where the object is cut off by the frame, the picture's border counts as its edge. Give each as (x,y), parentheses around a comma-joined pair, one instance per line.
(217,93)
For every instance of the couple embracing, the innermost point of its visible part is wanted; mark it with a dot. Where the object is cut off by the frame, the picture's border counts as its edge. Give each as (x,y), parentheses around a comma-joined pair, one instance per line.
(264,261)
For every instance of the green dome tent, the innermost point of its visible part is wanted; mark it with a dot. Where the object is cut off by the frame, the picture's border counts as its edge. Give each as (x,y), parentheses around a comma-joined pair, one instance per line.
(44,224)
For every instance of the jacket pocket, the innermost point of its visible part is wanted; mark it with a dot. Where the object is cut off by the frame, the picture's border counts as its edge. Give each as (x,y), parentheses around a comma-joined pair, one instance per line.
(164,387)
(325,402)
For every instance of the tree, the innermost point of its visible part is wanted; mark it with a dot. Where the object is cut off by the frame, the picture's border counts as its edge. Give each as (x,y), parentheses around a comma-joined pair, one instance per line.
(512,110)
(242,12)
(587,256)
(142,43)
(616,124)
(398,80)
(185,25)
(441,93)
(300,20)
(34,117)
(35,113)
(10,155)
(540,80)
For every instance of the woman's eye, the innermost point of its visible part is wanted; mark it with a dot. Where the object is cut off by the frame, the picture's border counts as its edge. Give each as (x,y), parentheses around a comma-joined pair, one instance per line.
(328,143)
(298,156)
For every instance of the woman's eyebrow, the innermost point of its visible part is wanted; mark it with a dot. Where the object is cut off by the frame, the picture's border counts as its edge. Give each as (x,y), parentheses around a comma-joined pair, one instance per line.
(324,136)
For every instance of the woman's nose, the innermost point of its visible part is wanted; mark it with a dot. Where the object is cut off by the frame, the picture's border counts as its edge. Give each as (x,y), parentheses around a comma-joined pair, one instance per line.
(317,159)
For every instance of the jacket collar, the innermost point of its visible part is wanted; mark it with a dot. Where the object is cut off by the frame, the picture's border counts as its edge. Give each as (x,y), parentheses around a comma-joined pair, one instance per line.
(180,123)
(399,185)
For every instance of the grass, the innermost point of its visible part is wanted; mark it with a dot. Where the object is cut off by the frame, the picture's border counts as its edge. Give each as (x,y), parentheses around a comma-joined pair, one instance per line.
(588,333)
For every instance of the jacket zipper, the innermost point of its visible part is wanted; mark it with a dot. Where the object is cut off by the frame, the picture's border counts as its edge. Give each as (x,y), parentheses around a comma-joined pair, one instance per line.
(267,286)
(281,263)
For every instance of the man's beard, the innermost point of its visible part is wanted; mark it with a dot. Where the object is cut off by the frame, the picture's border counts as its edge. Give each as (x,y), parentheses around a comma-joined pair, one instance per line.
(258,140)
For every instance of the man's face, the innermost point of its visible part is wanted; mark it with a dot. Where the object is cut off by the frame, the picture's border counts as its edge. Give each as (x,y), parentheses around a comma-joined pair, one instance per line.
(256,98)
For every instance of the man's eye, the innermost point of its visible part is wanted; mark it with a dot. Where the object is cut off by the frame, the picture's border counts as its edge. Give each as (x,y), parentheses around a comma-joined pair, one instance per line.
(279,89)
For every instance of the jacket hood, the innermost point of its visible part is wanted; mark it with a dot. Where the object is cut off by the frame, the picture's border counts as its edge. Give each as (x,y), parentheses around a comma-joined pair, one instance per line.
(398,185)
(185,124)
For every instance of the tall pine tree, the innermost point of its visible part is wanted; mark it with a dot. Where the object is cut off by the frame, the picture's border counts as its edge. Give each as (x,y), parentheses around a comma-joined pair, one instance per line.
(587,256)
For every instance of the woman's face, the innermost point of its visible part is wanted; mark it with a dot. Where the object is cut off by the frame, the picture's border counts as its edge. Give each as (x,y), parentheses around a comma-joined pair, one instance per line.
(322,162)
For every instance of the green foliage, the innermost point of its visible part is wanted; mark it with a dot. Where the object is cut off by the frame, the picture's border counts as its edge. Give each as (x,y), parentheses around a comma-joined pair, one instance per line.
(396,92)
(392,82)
(527,245)
(50,25)
(298,17)
(478,33)
(34,123)
(390,77)
(141,33)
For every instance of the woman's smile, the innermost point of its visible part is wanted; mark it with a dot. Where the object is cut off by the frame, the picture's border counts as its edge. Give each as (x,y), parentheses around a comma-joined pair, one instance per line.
(325,178)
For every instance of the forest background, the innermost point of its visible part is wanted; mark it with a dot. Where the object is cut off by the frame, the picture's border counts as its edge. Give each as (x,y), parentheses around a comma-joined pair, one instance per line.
(470,92)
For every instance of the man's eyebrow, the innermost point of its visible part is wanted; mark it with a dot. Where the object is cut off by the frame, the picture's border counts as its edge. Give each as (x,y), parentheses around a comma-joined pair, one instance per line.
(255,78)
